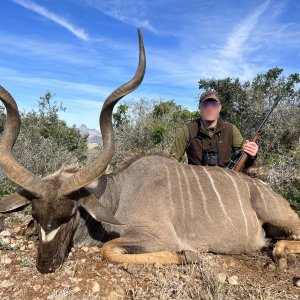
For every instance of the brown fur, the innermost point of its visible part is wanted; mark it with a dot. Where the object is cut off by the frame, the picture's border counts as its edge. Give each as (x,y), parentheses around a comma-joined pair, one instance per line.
(114,250)
(133,158)
(283,249)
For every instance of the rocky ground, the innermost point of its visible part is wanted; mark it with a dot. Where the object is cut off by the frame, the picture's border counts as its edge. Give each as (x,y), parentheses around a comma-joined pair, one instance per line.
(85,275)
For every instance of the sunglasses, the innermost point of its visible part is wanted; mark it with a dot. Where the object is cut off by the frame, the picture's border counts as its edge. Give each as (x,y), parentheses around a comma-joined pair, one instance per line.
(212,103)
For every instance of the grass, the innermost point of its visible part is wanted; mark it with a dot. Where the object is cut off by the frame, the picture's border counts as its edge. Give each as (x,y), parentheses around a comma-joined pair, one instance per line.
(7,246)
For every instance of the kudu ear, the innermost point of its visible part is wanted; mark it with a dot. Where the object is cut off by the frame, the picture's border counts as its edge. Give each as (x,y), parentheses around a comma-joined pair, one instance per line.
(93,206)
(15,201)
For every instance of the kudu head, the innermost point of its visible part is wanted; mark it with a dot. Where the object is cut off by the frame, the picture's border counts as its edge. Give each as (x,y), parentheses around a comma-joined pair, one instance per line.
(56,199)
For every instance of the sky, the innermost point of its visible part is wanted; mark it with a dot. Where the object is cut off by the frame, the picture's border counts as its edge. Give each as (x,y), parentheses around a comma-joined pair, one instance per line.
(81,50)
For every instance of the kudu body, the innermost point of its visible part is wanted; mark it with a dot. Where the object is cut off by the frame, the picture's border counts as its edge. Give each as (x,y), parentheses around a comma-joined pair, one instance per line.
(153,210)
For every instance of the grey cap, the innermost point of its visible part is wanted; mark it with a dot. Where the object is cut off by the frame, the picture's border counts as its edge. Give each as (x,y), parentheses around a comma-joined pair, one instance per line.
(209,95)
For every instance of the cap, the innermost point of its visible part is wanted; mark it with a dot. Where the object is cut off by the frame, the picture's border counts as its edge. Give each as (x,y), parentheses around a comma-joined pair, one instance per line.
(209,95)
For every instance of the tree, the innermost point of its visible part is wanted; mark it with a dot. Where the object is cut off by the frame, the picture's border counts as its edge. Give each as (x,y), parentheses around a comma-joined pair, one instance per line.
(46,120)
(245,104)
(45,142)
(120,117)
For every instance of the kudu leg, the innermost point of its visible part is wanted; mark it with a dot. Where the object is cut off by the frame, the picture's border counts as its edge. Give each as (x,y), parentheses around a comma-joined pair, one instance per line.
(121,250)
(283,249)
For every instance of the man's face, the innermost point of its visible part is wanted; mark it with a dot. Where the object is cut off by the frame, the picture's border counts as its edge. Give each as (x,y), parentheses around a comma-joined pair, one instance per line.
(210,110)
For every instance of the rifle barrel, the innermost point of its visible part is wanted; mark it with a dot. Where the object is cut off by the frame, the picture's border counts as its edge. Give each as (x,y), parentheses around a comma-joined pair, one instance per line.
(242,160)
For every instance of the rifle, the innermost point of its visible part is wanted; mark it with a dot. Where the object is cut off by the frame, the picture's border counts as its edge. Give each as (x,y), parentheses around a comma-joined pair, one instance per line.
(239,165)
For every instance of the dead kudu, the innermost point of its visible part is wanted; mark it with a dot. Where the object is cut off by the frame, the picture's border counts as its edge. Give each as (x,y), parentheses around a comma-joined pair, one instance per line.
(153,210)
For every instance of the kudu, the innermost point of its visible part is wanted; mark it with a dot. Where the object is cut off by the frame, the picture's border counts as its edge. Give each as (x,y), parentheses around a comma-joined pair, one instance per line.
(153,210)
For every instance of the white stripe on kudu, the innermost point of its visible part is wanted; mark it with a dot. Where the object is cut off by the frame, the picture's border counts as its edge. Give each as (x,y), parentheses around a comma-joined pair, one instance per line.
(240,199)
(203,197)
(218,195)
(249,192)
(270,193)
(50,236)
(181,191)
(261,195)
(189,193)
(169,188)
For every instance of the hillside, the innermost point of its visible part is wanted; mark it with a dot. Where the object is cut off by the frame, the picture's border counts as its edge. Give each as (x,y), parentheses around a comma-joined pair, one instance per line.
(94,135)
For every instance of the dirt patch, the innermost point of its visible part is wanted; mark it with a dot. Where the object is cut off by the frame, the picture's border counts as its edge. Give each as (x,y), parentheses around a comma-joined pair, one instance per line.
(85,275)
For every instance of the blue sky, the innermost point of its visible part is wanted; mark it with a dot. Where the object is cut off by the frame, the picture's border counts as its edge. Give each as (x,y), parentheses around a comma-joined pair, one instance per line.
(81,50)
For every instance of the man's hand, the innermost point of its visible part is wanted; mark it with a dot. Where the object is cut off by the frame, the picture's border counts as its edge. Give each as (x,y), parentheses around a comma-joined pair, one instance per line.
(251,148)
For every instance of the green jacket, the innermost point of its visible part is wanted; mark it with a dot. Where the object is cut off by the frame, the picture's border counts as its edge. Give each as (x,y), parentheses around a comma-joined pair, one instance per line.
(208,137)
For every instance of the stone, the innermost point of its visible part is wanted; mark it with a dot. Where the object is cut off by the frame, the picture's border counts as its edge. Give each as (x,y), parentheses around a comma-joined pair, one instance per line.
(6,260)
(76,289)
(6,283)
(36,287)
(221,277)
(12,255)
(95,287)
(17,229)
(96,249)
(5,233)
(85,248)
(233,280)
(30,246)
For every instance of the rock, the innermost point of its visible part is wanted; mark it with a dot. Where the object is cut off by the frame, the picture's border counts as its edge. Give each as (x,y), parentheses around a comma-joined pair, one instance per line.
(17,229)
(83,260)
(297,282)
(96,249)
(76,289)
(85,248)
(6,260)
(5,240)
(118,294)
(271,266)
(30,246)
(231,263)
(36,287)
(75,279)
(6,283)
(221,277)
(233,280)
(95,287)
(5,233)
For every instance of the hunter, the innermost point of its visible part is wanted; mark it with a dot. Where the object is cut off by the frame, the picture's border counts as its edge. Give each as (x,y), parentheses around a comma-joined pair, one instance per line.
(209,140)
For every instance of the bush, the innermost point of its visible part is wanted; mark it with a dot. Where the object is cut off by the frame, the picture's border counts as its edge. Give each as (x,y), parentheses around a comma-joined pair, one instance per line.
(45,142)
(148,126)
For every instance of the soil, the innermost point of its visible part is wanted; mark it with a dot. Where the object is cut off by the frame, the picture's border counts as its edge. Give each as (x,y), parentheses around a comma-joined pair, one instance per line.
(85,275)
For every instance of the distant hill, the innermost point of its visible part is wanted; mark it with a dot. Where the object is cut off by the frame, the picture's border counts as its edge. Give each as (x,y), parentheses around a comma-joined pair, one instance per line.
(94,135)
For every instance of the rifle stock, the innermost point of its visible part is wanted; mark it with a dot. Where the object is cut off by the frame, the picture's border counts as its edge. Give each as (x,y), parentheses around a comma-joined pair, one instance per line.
(242,161)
